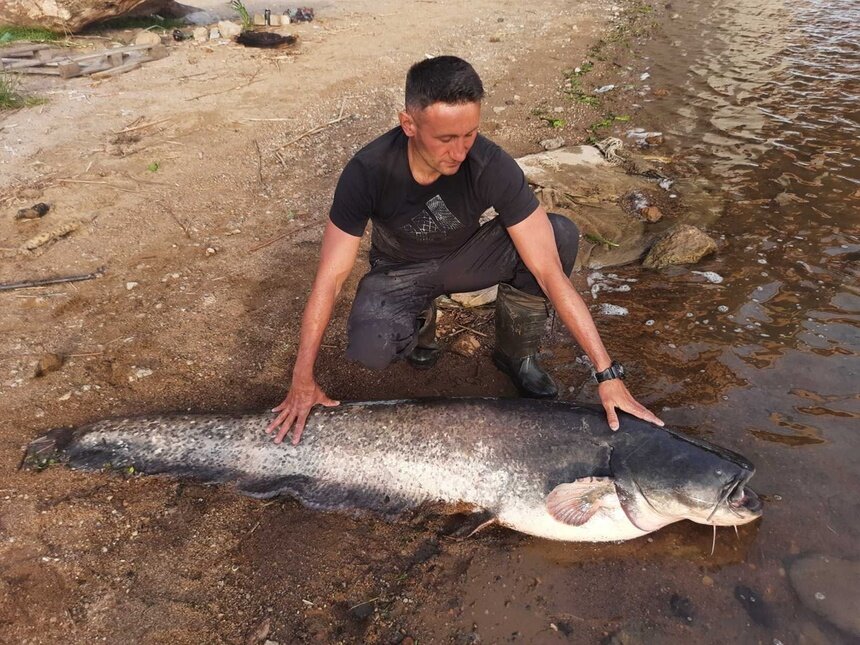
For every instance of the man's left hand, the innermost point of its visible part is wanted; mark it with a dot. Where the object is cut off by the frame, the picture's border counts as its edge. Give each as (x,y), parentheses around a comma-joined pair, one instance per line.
(614,394)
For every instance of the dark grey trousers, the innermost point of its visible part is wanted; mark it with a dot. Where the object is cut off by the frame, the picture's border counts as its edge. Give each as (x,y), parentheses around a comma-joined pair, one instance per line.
(383,323)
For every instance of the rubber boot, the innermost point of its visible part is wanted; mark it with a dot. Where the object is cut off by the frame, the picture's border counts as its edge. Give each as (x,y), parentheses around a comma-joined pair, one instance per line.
(427,351)
(520,322)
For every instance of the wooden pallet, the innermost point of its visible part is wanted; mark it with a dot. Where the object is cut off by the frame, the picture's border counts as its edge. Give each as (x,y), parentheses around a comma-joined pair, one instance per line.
(43,59)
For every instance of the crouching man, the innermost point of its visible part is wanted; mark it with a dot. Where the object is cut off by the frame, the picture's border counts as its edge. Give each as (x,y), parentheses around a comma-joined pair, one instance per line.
(424,185)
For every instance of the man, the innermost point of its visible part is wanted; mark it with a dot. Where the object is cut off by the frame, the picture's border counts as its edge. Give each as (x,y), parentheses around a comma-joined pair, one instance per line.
(424,185)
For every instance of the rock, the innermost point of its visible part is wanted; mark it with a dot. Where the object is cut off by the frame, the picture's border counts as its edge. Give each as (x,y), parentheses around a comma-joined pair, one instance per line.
(828,586)
(259,20)
(147,38)
(755,606)
(130,285)
(652,214)
(466,345)
(275,20)
(214,33)
(229,29)
(578,183)
(476,298)
(682,244)
(201,18)
(73,15)
(552,144)
(682,607)
(361,611)
(201,34)
(139,373)
(48,363)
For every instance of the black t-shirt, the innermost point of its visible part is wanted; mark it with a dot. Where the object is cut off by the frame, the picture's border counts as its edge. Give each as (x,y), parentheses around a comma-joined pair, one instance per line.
(415,222)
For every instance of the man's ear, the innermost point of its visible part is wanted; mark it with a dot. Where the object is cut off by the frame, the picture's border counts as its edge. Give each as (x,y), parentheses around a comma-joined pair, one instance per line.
(407,123)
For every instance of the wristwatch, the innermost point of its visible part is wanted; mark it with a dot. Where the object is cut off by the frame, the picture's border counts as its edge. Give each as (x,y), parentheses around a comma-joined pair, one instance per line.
(615,370)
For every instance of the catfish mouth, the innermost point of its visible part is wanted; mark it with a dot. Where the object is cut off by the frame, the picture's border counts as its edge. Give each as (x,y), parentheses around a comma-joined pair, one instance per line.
(744,499)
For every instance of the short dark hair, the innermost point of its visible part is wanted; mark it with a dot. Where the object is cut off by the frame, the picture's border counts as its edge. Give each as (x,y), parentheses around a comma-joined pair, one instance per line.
(443,79)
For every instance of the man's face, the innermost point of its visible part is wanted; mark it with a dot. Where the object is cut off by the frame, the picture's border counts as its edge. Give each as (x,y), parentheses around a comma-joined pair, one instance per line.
(442,134)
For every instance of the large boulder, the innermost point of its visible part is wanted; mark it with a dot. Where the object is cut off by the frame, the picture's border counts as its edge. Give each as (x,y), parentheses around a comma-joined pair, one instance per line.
(73,15)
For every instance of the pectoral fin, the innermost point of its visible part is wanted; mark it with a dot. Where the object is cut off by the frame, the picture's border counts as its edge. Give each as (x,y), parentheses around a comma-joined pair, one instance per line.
(575,503)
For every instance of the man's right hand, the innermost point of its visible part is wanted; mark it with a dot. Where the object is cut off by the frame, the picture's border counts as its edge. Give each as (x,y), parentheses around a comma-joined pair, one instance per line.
(295,408)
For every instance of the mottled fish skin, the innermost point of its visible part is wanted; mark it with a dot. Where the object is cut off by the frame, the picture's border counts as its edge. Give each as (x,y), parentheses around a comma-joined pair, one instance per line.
(500,455)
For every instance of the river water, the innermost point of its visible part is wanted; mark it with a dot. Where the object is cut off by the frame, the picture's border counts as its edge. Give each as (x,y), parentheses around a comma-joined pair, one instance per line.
(763,100)
(759,98)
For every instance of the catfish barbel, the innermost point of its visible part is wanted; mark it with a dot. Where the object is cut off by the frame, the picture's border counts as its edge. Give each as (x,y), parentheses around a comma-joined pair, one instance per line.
(547,468)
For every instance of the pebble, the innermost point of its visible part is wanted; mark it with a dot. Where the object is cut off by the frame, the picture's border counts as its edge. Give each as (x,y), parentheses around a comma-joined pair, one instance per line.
(604,89)
(552,144)
(652,214)
(708,581)
(130,285)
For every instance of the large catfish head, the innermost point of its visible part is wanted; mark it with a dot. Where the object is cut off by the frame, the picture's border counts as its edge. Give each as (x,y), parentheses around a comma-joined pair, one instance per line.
(662,477)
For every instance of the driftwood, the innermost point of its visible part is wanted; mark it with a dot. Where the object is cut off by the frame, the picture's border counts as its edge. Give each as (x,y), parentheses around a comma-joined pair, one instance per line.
(28,284)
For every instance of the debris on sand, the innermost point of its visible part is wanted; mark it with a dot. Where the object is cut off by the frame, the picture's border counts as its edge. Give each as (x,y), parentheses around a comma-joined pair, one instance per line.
(33,212)
(48,237)
(466,345)
(264,39)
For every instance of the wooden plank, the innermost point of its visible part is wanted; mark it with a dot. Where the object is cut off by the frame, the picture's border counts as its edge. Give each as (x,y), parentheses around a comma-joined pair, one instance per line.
(122,69)
(122,50)
(68,69)
(22,50)
(93,69)
(18,63)
(41,69)
(49,54)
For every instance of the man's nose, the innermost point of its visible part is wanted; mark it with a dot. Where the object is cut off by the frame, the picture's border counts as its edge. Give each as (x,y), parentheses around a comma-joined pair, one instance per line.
(459,151)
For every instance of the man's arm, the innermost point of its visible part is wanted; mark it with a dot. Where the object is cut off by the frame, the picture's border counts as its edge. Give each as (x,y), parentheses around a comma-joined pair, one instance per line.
(535,242)
(337,257)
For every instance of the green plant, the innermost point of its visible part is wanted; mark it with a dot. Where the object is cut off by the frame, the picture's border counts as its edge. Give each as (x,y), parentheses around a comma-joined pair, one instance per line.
(9,34)
(553,123)
(10,96)
(153,167)
(244,16)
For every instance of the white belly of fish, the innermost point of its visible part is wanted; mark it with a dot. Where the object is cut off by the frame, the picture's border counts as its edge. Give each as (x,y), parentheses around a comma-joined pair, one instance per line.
(608,524)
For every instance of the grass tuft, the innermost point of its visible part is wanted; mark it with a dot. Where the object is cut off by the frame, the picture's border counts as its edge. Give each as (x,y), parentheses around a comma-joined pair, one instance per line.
(11,98)
(10,34)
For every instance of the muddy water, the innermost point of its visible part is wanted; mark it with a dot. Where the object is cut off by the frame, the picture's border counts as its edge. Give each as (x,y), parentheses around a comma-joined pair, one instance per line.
(760,102)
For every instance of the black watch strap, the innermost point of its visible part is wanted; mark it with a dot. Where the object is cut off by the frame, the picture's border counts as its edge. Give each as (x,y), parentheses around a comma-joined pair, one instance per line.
(615,370)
